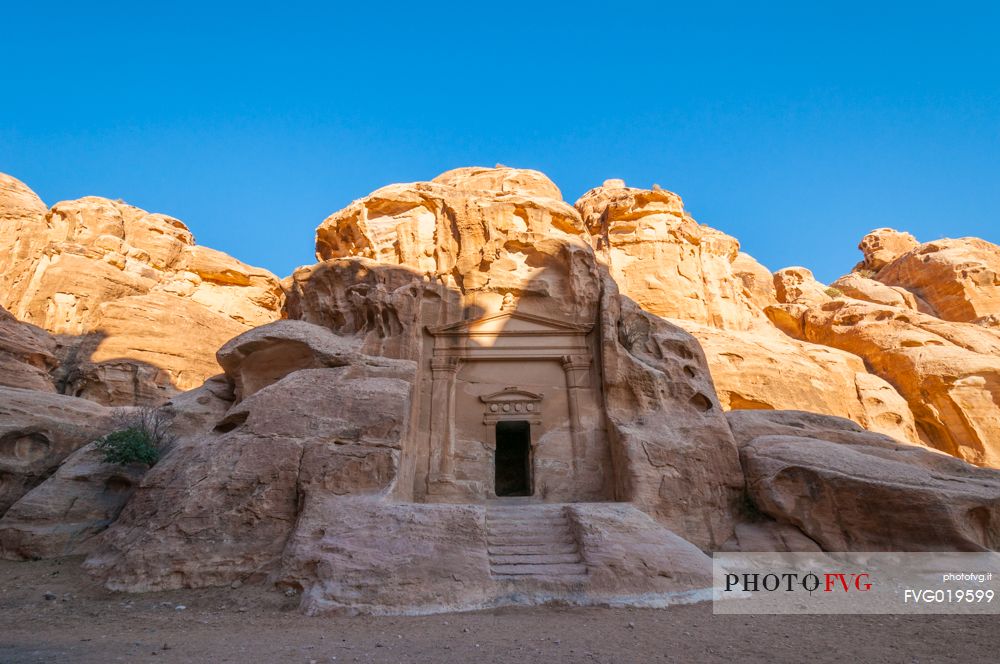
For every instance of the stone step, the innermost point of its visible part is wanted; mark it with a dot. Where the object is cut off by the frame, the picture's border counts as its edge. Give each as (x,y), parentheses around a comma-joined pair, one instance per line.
(514,528)
(555,569)
(539,579)
(533,559)
(524,512)
(532,549)
(541,518)
(530,538)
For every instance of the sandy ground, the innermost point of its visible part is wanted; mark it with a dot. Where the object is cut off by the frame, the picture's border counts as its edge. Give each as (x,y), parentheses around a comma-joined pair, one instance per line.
(81,622)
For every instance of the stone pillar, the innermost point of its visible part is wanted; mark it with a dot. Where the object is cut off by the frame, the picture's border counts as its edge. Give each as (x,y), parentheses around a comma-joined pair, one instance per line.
(442,433)
(577,368)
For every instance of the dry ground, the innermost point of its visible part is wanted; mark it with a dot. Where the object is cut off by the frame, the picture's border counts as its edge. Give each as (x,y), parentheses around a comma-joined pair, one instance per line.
(84,623)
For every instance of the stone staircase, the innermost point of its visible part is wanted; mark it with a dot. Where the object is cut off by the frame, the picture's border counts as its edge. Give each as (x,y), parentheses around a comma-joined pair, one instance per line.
(532,542)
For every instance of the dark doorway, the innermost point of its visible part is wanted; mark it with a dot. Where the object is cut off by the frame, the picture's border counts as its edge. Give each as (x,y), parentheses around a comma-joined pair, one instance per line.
(513,459)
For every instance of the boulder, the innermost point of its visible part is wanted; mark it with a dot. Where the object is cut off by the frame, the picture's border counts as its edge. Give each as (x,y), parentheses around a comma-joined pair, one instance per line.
(629,555)
(362,554)
(796,285)
(266,354)
(882,246)
(63,515)
(38,430)
(861,288)
(758,282)
(221,506)
(853,490)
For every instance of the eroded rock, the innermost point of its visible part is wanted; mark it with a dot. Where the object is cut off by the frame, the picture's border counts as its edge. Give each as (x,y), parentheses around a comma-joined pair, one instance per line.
(27,355)
(948,372)
(959,279)
(113,281)
(63,515)
(38,430)
(852,490)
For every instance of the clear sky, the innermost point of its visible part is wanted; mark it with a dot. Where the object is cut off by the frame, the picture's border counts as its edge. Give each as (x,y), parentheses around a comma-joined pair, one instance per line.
(797,127)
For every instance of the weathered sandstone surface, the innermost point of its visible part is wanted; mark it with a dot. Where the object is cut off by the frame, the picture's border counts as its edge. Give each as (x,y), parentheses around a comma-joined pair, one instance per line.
(27,355)
(113,281)
(853,490)
(221,505)
(948,372)
(61,516)
(481,395)
(286,489)
(959,279)
(481,242)
(696,276)
(768,370)
(37,431)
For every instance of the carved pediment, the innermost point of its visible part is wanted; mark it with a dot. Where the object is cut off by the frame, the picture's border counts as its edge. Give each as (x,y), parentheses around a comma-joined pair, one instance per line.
(509,322)
(512,401)
(511,394)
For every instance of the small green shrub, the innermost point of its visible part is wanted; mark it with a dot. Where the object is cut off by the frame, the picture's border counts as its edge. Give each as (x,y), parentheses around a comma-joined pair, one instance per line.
(139,436)
(127,446)
(834,292)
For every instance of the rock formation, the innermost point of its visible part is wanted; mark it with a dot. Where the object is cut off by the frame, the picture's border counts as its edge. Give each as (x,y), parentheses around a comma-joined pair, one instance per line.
(27,355)
(482,395)
(929,337)
(959,279)
(949,373)
(111,281)
(852,490)
(38,430)
(62,516)
(696,277)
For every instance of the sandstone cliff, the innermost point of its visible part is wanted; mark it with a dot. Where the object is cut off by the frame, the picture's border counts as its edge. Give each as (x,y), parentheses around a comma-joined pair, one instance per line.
(112,282)
(347,453)
(934,339)
(696,277)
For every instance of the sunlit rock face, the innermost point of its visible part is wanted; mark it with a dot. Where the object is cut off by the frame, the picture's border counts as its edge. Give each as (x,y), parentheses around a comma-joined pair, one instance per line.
(482,395)
(958,279)
(923,319)
(482,234)
(949,373)
(671,265)
(138,308)
(489,281)
(696,276)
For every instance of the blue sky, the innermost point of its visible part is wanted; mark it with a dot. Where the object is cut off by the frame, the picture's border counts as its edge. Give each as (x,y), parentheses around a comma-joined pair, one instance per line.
(797,127)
